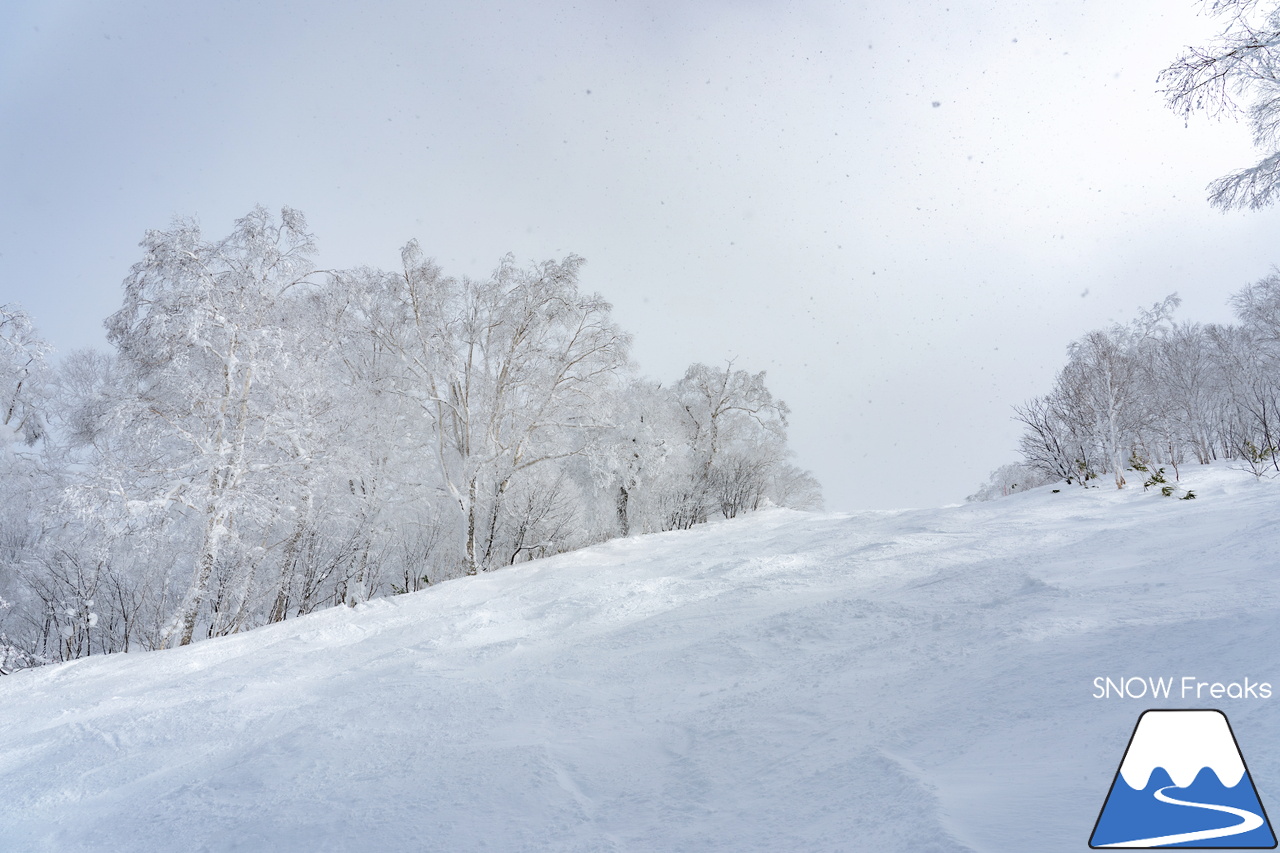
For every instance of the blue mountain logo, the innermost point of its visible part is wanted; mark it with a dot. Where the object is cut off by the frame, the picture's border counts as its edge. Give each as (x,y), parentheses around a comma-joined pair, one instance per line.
(1183,783)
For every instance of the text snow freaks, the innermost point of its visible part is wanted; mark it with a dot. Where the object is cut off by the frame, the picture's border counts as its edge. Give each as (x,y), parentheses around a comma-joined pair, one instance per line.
(1187,687)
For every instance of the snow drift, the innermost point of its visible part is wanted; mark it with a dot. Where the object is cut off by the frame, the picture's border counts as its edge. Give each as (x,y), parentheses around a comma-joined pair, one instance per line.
(917,680)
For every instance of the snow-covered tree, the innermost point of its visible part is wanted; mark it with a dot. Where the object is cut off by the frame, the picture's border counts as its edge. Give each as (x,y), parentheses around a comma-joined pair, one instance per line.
(203,343)
(508,374)
(24,372)
(267,439)
(1049,443)
(1011,479)
(1182,369)
(1152,392)
(1104,378)
(737,431)
(1237,74)
(26,477)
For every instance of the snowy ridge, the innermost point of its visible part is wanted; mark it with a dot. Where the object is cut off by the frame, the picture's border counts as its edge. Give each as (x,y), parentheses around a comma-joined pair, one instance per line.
(1183,743)
(896,681)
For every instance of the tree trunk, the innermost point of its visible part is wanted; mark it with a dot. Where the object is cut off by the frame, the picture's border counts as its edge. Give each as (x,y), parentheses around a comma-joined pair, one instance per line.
(624,523)
(284,583)
(471,527)
(214,530)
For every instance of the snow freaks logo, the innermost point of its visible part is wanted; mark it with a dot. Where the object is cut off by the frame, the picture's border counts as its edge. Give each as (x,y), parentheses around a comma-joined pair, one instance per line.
(1183,783)
(1189,687)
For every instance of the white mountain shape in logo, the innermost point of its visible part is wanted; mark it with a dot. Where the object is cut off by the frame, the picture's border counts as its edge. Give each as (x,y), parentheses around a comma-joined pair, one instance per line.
(1183,743)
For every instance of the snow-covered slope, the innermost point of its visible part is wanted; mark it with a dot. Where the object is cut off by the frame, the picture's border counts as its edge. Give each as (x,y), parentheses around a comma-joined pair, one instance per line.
(902,681)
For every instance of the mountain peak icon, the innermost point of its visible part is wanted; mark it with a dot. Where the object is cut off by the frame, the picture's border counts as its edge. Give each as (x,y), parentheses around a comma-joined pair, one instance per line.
(1182,783)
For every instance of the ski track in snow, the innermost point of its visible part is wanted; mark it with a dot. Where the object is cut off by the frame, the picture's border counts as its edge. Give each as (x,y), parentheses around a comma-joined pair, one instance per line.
(918,680)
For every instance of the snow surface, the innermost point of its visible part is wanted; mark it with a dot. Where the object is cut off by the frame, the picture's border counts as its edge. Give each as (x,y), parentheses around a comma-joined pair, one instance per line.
(918,681)
(1183,743)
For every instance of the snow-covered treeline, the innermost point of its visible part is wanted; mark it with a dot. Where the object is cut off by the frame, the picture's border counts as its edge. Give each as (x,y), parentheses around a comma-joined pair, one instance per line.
(1156,392)
(268,438)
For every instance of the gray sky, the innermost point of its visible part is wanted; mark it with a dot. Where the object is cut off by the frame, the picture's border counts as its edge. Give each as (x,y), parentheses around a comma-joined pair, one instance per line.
(902,212)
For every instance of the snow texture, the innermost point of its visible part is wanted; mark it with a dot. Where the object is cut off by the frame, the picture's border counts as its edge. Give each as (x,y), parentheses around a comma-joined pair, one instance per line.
(884,681)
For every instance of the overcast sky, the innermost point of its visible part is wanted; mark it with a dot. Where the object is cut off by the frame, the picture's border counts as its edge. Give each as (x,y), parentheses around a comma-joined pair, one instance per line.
(904,212)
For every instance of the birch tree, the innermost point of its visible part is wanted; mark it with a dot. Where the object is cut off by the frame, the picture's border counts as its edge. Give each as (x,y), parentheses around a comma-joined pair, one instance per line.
(24,472)
(24,372)
(1236,75)
(508,374)
(738,432)
(201,339)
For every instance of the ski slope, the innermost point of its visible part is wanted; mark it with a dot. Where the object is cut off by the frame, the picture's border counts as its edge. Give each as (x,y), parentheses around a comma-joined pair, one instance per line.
(919,680)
